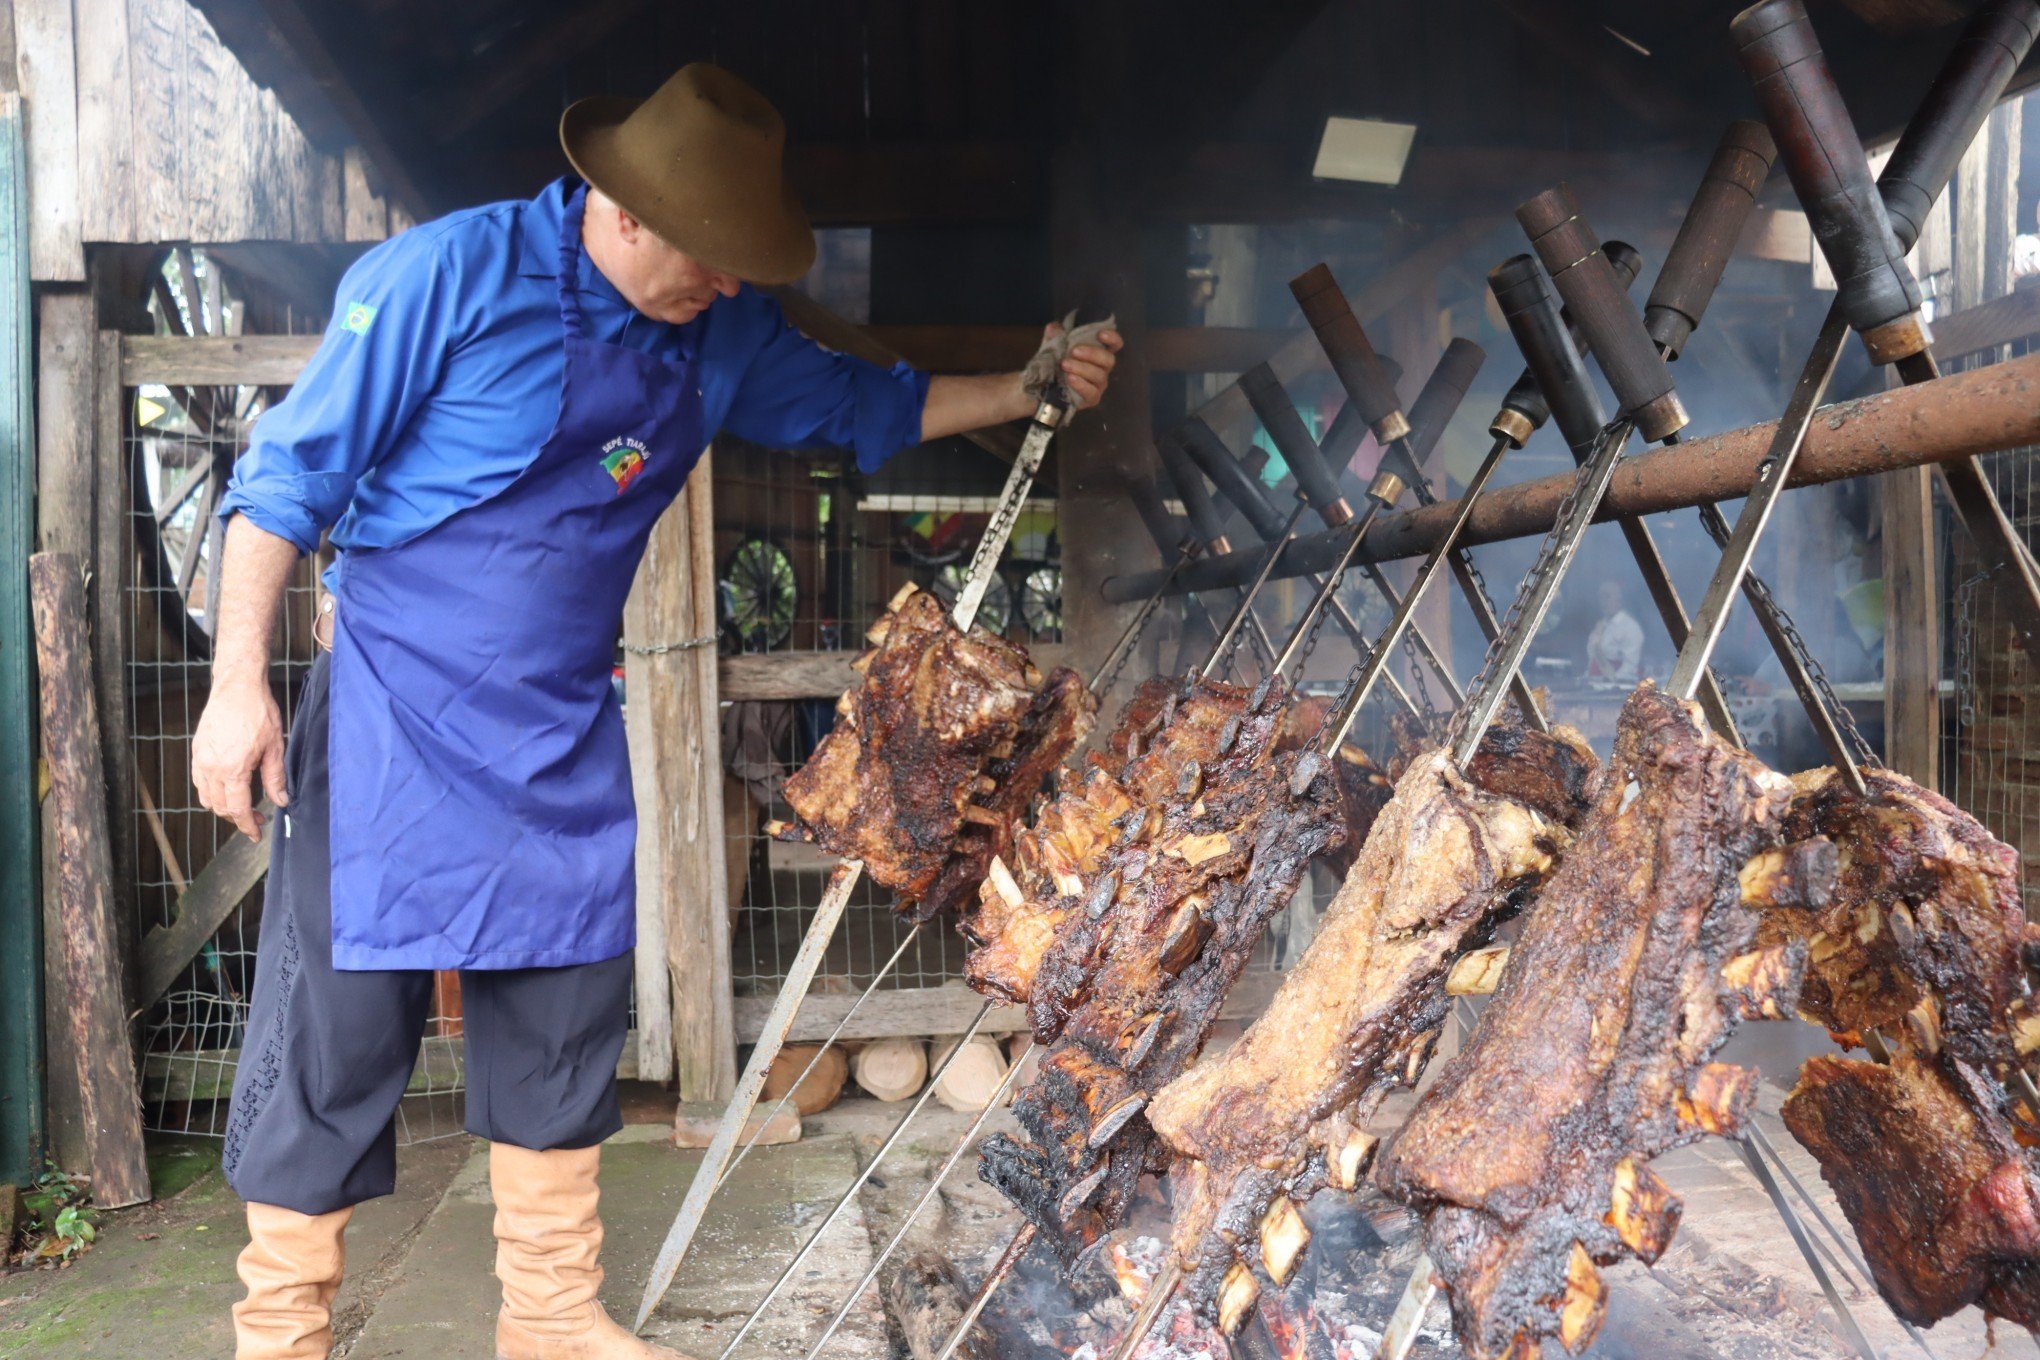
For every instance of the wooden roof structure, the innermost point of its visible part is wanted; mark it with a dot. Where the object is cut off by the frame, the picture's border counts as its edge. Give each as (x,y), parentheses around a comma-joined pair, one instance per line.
(926,111)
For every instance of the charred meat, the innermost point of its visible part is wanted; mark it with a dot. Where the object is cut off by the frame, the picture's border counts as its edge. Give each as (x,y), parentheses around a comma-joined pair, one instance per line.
(1529,1159)
(1279,1115)
(1024,907)
(890,784)
(1926,906)
(1220,829)
(1059,719)
(1925,1166)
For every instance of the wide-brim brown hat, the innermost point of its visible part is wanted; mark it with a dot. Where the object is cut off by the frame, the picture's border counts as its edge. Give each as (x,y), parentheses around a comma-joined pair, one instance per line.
(700,163)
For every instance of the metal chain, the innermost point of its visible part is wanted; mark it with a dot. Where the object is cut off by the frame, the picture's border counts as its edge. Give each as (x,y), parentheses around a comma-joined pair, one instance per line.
(1427,707)
(1310,639)
(1479,581)
(661,648)
(1317,738)
(1547,552)
(1230,658)
(1111,677)
(1760,592)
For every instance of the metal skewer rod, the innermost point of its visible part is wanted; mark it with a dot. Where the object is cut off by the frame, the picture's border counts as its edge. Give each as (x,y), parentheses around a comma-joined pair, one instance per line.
(1048,417)
(996,1276)
(857,1183)
(885,971)
(1851,1329)
(1160,1290)
(934,1186)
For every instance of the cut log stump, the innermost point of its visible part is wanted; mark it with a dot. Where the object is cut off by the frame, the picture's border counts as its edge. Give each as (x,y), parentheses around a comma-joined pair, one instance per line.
(822,1087)
(892,1069)
(970,1081)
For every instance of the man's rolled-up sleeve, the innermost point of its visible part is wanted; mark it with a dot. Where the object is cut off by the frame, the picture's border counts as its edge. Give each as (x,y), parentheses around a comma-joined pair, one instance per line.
(795,393)
(382,353)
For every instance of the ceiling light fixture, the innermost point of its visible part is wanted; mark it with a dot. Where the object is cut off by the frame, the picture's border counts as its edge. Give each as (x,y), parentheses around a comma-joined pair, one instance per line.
(1364,150)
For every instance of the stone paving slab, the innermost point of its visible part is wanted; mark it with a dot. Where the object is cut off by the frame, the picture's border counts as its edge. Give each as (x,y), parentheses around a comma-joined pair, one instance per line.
(444,1303)
(160,1279)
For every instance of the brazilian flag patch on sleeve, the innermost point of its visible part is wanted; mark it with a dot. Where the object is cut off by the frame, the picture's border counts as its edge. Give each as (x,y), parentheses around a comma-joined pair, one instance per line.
(360,316)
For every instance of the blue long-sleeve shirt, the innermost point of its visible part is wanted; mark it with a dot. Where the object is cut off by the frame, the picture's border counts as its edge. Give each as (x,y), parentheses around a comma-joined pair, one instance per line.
(439,378)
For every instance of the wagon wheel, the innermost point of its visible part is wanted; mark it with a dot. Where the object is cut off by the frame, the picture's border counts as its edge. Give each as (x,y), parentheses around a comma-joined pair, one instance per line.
(761,593)
(1041,603)
(994,613)
(187,439)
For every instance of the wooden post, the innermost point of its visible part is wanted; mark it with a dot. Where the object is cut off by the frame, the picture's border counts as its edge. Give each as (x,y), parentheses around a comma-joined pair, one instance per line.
(66,513)
(1095,259)
(94,1003)
(1912,627)
(685,1024)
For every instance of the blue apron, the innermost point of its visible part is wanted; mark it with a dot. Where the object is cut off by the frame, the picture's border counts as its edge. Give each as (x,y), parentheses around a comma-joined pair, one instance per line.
(481,801)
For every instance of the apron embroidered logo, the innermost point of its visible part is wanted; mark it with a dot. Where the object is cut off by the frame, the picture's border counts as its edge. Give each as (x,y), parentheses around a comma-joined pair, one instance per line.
(359,315)
(624,458)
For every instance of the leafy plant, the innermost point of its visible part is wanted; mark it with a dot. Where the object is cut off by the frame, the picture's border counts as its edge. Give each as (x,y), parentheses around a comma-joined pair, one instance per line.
(57,1222)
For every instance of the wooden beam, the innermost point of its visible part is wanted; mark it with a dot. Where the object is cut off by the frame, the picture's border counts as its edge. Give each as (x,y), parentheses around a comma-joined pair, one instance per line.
(282,49)
(1269,182)
(535,51)
(2000,321)
(227,879)
(1640,84)
(94,998)
(779,676)
(995,349)
(917,1012)
(1912,627)
(46,68)
(214,360)
(676,772)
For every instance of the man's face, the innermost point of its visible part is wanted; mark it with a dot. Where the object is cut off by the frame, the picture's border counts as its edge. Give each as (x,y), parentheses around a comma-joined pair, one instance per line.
(1611,599)
(658,280)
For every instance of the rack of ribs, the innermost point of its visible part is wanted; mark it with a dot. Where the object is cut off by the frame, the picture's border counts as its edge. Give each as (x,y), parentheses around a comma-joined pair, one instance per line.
(1279,1115)
(1926,907)
(1056,723)
(1926,1167)
(1529,1157)
(891,783)
(1219,828)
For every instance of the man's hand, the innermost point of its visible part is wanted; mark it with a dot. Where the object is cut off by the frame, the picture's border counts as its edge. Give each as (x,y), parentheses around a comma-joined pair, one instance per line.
(1089,367)
(239,735)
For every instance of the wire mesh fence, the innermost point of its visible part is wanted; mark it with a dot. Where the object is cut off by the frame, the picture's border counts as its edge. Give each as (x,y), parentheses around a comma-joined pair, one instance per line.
(181,443)
(809,553)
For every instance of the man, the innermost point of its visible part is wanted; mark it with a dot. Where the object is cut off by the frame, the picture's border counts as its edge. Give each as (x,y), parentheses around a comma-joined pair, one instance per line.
(1615,647)
(503,404)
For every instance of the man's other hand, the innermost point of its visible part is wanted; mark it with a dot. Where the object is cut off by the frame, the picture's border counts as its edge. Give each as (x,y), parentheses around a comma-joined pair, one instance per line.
(1088,369)
(239,735)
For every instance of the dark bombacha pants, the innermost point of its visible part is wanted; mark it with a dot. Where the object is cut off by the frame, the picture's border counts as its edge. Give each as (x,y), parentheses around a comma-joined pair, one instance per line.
(327,1053)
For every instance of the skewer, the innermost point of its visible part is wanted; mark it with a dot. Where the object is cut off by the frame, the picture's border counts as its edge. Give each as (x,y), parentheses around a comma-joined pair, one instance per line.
(857,1183)
(884,971)
(1003,1267)
(934,1186)
(1851,1329)
(1048,416)
(1160,1290)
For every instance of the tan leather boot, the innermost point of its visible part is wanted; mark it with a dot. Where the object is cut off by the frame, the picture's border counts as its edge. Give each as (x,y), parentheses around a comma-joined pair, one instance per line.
(547,1239)
(291,1267)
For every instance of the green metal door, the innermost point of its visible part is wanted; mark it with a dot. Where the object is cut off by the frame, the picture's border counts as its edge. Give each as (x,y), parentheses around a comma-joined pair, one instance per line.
(21,1086)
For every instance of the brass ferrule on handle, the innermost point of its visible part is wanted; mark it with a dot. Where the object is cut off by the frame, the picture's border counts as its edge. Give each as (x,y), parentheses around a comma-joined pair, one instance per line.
(1358,367)
(1571,252)
(1817,141)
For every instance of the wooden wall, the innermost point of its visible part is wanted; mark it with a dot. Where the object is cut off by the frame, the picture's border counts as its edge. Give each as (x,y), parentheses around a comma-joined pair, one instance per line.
(142,127)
